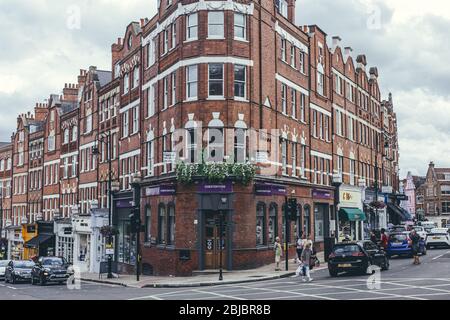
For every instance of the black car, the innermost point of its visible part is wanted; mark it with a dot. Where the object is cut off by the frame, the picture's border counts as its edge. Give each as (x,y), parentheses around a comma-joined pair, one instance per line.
(18,271)
(357,257)
(50,269)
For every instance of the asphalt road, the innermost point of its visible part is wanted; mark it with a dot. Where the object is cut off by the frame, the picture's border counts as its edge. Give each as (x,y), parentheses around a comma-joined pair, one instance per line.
(404,281)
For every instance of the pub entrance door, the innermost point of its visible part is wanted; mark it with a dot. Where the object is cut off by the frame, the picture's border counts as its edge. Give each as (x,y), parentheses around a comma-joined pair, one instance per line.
(212,241)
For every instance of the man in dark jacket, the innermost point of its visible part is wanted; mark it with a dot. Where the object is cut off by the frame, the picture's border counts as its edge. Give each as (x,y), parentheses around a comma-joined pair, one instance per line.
(415,239)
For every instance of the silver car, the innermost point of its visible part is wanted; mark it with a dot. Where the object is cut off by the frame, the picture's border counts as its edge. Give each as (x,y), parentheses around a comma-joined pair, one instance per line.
(3,265)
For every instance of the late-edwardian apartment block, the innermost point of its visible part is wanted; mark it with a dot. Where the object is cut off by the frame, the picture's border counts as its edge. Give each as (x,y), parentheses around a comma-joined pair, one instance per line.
(208,68)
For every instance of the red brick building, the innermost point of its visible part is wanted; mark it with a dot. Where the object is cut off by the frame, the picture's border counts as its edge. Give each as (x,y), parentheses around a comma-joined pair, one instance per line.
(197,70)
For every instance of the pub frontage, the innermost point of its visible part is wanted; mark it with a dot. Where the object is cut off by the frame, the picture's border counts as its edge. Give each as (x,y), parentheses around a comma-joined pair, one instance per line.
(199,227)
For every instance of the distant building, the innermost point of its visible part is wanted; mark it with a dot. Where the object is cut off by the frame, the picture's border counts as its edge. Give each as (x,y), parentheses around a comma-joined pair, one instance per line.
(437,194)
(409,187)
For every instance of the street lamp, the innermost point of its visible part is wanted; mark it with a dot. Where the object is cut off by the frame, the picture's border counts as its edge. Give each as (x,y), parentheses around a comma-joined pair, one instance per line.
(106,138)
(136,184)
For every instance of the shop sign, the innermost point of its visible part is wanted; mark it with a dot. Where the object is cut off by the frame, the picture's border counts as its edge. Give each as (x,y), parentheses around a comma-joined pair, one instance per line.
(322,194)
(109,249)
(350,198)
(216,188)
(387,190)
(262,157)
(170,157)
(270,190)
(161,191)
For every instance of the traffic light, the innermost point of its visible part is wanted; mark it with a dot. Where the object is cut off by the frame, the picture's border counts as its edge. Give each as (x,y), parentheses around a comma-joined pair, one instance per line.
(135,221)
(292,207)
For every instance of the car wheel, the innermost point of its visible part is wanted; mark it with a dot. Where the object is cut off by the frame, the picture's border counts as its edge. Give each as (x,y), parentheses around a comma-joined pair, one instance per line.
(333,273)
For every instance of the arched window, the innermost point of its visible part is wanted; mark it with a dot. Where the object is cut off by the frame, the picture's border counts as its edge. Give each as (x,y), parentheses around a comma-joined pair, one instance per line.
(148,224)
(299,223)
(307,222)
(273,223)
(171,225)
(216,140)
(162,224)
(260,224)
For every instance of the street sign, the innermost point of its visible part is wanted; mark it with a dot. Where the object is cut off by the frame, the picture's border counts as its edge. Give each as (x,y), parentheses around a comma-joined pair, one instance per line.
(262,157)
(109,250)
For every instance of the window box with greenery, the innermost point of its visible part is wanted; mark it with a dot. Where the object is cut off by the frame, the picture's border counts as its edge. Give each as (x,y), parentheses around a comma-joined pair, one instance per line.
(215,172)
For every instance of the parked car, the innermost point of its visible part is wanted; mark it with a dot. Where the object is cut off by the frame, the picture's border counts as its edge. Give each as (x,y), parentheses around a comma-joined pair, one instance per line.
(421,232)
(356,256)
(3,265)
(428,226)
(18,271)
(438,237)
(400,244)
(396,229)
(50,269)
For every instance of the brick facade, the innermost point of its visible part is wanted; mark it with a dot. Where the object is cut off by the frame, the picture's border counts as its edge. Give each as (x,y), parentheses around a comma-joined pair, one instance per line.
(228,65)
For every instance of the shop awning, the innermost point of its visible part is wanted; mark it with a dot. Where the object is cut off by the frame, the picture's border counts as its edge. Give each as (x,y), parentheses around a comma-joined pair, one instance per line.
(37,241)
(401,213)
(352,214)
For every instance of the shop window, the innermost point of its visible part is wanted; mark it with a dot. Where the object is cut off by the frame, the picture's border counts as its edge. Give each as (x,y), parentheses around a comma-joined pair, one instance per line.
(148,221)
(162,224)
(307,222)
(273,223)
(260,224)
(319,224)
(171,225)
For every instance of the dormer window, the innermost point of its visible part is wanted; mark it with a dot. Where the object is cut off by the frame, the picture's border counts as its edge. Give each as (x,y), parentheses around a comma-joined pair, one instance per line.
(130,41)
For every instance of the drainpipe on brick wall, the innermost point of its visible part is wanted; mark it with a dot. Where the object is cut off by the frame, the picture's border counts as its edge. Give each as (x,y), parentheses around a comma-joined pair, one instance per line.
(260,69)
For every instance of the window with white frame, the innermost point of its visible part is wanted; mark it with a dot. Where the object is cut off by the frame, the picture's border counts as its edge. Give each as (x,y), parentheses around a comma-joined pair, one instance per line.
(282,6)
(66,168)
(136,77)
(216,79)
(174,88)
(151,94)
(240,26)
(321,131)
(320,82)
(338,123)
(284,156)
(126,83)
(314,124)
(174,35)
(66,136)
(294,103)
(166,92)
(74,133)
(192,27)
(51,142)
(303,159)
(191,82)
(302,107)
(166,41)
(74,166)
(293,62)
(125,120)
(352,172)
(327,128)
(294,159)
(350,128)
(302,62)
(150,157)
(340,165)
(240,81)
(88,127)
(216,25)
(135,114)
(283,49)
(283,98)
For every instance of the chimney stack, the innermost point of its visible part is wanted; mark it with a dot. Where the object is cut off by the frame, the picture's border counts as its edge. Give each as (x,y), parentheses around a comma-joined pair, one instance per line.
(347,53)
(336,42)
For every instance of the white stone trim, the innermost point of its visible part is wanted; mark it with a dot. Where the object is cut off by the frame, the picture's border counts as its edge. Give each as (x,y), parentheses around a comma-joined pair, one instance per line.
(291,84)
(292,39)
(321,155)
(50,196)
(201,5)
(88,145)
(130,154)
(88,185)
(194,61)
(130,106)
(69,155)
(320,109)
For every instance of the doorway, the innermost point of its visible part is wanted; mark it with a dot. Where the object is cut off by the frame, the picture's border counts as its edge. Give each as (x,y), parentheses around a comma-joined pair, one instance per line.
(212,245)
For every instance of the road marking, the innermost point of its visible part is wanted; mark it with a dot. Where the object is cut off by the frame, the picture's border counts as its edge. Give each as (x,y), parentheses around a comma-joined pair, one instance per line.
(11,288)
(219,295)
(438,257)
(424,287)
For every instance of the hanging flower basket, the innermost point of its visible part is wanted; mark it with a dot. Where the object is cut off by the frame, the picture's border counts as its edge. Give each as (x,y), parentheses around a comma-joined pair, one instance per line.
(109,231)
(378,205)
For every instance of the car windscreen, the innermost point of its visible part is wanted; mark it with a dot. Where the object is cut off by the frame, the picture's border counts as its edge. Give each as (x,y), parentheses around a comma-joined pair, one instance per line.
(418,229)
(398,237)
(3,263)
(24,264)
(52,262)
(346,249)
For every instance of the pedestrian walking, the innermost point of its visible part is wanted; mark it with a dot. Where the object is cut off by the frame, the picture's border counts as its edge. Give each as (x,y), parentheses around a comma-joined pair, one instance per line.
(300,245)
(278,253)
(384,239)
(306,261)
(373,237)
(415,238)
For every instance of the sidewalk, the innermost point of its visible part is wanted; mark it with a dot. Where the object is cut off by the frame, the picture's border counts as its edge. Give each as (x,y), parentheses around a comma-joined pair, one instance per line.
(208,279)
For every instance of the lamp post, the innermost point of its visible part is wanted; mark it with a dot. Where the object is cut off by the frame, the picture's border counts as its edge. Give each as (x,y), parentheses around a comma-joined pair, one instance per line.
(136,184)
(107,138)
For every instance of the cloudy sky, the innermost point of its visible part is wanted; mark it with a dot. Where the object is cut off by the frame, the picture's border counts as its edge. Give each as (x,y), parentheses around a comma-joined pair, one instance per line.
(44,43)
